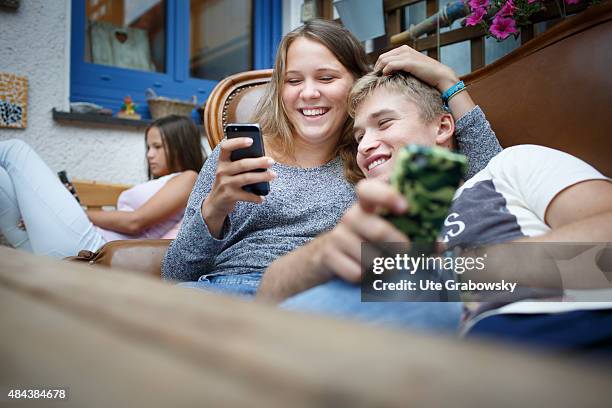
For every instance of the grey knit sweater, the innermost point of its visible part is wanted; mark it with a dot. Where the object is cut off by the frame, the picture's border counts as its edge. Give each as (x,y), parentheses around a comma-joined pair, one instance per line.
(302,204)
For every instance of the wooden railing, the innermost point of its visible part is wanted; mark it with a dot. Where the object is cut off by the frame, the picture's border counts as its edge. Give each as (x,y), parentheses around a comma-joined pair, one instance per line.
(396,29)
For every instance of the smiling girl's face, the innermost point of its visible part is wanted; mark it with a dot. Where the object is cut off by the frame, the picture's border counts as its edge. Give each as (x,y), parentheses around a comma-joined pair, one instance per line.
(315,92)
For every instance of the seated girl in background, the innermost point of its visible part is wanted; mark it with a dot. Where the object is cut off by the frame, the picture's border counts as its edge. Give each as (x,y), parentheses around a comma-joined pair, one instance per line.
(55,224)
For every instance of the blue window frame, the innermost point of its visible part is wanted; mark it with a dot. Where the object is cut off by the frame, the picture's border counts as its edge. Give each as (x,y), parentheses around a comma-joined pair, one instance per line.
(107,85)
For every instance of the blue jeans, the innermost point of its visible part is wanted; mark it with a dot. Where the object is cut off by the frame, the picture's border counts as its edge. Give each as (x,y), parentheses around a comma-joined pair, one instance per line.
(56,225)
(588,332)
(244,284)
(341,299)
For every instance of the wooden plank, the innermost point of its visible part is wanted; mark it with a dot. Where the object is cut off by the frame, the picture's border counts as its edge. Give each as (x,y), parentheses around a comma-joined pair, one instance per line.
(381,42)
(430,42)
(477,51)
(431,8)
(394,5)
(325,9)
(117,339)
(98,194)
(450,37)
(527,33)
(394,23)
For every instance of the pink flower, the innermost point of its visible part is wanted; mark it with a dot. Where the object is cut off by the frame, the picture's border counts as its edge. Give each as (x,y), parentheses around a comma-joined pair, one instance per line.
(476,4)
(570,2)
(502,27)
(507,9)
(475,17)
(531,1)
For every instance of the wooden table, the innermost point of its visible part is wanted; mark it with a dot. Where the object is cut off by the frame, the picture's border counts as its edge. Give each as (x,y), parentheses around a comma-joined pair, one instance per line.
(117,340)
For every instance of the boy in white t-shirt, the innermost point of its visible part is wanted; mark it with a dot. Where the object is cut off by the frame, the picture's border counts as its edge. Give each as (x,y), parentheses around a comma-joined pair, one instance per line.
(526,193)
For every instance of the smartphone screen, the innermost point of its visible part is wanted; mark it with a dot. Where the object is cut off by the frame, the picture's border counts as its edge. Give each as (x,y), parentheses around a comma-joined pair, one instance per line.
(234,130)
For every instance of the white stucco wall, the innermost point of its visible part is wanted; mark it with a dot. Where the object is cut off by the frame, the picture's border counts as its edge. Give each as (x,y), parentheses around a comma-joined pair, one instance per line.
(35,42)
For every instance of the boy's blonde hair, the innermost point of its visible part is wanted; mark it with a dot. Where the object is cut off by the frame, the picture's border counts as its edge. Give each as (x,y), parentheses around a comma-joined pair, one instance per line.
(426,97)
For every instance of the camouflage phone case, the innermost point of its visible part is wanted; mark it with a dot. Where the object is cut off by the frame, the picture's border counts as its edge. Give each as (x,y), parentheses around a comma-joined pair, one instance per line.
(428,177)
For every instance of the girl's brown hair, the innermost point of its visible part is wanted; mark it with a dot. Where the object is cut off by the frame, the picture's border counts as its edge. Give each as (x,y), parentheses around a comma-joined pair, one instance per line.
(182,143)
(271,113)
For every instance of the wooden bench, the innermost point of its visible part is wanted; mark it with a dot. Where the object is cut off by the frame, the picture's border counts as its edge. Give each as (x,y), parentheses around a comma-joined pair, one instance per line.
(118,339)
(95,194)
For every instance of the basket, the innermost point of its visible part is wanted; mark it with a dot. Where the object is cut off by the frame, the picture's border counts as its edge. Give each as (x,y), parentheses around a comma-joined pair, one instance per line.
(160,107)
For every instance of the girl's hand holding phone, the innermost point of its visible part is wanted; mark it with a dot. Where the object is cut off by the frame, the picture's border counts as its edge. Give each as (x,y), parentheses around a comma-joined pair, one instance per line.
(230,178)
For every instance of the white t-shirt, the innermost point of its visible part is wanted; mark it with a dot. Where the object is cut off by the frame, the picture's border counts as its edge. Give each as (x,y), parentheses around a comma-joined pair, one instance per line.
(507,201)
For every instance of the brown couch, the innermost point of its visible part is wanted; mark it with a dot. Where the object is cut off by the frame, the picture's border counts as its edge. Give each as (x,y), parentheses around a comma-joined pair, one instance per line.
(556,91)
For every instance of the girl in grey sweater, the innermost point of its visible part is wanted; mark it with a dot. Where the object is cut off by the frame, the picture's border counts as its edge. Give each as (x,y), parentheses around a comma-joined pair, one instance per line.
(228,236)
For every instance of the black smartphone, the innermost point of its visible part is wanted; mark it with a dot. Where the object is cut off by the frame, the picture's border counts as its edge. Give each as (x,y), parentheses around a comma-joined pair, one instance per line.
(64,179)
(251,130)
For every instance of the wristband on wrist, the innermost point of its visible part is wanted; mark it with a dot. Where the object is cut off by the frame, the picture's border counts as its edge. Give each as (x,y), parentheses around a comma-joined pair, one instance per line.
(450,92)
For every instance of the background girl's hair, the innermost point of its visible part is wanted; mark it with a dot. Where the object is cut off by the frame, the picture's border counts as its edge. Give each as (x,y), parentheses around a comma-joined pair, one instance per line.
(271,113)
(182,142)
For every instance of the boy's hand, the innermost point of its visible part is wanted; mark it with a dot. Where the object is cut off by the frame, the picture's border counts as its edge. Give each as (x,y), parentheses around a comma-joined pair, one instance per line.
(426,69)
(341,250)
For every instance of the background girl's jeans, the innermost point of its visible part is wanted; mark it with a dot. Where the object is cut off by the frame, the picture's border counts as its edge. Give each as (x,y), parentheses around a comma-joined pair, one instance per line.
(56,225)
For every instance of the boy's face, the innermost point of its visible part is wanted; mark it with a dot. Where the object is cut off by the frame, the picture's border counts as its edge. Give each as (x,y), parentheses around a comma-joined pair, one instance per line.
(385,122)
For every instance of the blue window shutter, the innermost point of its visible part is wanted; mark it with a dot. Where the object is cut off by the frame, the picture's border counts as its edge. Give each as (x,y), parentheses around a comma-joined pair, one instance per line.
(266,32)
(181,41)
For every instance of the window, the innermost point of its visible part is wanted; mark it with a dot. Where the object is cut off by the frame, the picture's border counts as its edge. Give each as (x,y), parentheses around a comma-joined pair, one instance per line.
(219,49)
(128,34)
(179,48)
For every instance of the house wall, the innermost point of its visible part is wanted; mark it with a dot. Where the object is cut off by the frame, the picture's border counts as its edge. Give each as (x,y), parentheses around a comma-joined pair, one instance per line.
(36,43)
